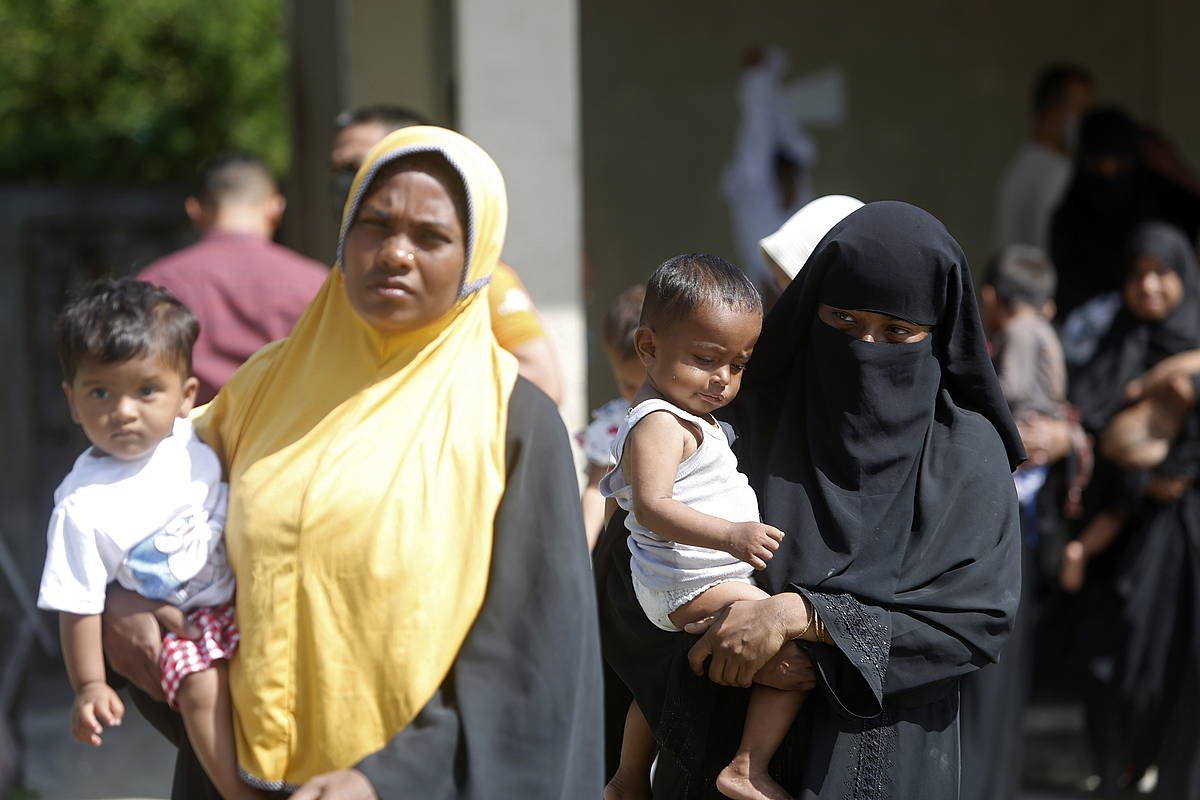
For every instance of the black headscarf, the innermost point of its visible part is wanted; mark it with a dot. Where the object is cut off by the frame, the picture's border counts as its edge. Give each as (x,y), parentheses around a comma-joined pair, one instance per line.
(887,465)
(1132,345)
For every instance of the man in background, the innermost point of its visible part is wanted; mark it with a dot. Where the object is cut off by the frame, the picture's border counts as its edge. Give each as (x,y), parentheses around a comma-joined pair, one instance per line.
(1036,178)
(245,289)
(515,321)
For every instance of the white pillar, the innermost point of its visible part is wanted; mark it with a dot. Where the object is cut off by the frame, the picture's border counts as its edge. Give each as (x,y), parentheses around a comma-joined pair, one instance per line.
(518,96)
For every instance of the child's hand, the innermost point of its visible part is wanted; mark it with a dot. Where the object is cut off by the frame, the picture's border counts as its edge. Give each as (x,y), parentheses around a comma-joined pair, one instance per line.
(753,542)
(95,704)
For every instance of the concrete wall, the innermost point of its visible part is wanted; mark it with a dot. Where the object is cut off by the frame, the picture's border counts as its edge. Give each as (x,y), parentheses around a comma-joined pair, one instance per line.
(317,36)
(401,51)
(937,101)
(517,71)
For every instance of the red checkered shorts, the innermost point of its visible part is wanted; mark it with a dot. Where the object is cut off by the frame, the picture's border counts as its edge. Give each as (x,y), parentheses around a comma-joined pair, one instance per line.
(181,657)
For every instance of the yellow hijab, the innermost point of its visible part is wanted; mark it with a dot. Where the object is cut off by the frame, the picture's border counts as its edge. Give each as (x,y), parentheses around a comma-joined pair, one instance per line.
(365,472)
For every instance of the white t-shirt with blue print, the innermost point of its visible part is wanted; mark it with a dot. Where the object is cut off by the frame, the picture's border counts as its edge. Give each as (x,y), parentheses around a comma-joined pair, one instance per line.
(153,524)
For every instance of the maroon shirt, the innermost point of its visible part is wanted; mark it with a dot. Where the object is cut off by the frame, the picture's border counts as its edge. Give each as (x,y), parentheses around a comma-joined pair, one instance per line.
(245,290)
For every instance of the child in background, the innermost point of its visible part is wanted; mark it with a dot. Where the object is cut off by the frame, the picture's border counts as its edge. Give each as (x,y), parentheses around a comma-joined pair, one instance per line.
(144,506)
(620,327)
(694,529)
(1017,302)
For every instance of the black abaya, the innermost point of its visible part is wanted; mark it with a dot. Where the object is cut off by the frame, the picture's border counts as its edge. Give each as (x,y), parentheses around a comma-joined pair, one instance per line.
(1140,634)
(888,467)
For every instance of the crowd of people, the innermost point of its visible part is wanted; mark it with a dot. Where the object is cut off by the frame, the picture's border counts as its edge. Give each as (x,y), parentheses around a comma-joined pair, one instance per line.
(330,532)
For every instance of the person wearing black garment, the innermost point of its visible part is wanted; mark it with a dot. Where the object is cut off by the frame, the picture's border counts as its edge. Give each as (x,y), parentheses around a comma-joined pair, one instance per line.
(889,468)
(1142,601)
(1112,192)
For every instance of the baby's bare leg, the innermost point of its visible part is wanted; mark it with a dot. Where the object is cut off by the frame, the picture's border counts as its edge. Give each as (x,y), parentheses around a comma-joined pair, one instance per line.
(713,599)
(203,699)
(1092,541)
(768,717)
(638,748)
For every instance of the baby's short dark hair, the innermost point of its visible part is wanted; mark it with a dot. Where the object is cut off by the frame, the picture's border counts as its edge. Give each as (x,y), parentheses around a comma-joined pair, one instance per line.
(115,320)
(622,321)
(684,284)
(1021,273)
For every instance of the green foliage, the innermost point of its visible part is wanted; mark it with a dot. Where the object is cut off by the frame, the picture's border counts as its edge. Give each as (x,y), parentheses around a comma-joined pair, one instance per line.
(120,91)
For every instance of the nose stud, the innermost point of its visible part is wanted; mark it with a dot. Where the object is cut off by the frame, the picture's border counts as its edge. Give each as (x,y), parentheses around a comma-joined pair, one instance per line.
(411,256)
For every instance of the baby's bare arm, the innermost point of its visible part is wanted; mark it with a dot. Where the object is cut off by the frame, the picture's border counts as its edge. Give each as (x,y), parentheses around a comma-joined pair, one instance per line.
(1099,534)
(653,452)
(1186,363)
(593,504)
(82,650)
(96,704)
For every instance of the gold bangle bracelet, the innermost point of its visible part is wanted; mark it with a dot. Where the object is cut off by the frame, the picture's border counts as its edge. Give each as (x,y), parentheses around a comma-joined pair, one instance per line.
(822,633)
(812,619)
(815,626)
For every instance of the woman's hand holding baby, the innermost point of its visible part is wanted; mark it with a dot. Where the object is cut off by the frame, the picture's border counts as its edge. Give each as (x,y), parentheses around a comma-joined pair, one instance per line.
(132,629)
(744,636)
(752,542)
(96,707)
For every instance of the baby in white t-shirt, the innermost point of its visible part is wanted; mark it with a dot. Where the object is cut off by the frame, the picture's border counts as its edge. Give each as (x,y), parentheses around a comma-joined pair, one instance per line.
(144,506)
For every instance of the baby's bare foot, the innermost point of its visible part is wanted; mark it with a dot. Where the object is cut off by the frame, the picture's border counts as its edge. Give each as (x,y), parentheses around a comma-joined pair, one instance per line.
(627,787)
(739,782)
(1074,568)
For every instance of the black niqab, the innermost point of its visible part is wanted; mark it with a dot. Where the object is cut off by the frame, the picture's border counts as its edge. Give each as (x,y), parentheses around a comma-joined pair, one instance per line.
(862,453)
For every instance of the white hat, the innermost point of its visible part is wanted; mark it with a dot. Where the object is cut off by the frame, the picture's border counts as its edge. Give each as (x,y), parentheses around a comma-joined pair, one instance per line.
(791,245)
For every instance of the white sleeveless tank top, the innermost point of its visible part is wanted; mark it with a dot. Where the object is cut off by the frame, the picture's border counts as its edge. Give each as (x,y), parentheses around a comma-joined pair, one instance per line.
(708,481)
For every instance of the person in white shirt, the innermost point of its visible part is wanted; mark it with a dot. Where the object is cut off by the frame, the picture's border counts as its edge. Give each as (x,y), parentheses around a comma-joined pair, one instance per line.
(143,506)
(769,174)
(1036,177)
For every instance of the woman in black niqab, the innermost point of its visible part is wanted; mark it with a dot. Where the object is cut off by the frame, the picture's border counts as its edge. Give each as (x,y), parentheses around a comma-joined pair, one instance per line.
(888,467)
(1141,608)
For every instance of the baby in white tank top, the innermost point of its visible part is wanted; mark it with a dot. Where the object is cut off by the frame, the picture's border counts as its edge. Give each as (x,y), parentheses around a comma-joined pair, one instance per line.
(670,572)
(695,536)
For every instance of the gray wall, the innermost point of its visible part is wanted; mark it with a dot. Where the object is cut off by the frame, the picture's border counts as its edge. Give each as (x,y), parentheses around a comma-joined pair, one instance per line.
(937,101)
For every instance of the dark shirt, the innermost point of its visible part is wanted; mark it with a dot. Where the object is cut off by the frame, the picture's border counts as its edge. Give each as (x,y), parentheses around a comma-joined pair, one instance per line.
(245,290)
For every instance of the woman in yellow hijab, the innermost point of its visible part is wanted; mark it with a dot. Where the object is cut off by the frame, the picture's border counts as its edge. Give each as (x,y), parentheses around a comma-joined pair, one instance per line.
(414,593)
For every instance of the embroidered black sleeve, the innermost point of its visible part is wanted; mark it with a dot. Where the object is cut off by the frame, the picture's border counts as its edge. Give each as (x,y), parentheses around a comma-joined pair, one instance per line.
(854,669)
